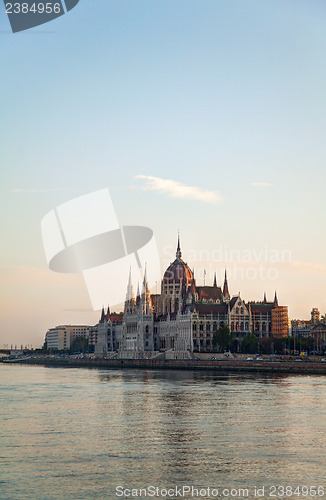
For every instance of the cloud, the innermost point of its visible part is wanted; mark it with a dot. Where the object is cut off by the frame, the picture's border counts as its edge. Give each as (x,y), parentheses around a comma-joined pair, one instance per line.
(261,184)
(175,189)
(45,190)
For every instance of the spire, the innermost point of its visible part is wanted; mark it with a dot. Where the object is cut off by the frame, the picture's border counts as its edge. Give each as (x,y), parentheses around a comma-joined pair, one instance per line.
(191,290)
(275,299)
(138,295)
(102,315)
(108,312)
(225,286)
(215,282)
(265,300)
(130,290)
(178,254)
(145,282)
(192,287)
(146,296)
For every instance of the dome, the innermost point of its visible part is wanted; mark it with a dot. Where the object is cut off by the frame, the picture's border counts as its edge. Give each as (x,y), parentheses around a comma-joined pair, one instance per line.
(178,271)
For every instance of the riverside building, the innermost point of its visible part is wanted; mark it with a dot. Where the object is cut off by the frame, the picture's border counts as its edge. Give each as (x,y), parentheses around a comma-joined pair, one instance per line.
(184,317)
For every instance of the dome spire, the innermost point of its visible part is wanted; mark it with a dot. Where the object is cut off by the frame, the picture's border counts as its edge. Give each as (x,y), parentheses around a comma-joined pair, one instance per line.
(179,254)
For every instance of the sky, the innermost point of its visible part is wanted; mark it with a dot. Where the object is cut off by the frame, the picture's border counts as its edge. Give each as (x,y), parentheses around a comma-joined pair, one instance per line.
(207,117)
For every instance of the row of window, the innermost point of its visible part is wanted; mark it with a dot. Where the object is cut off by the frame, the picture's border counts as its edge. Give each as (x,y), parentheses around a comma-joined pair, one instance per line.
(208,326)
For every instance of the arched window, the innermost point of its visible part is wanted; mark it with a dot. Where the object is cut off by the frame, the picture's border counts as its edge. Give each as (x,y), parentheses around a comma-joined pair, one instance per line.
(201,327)
(208,327)
(237,310)
(194,327)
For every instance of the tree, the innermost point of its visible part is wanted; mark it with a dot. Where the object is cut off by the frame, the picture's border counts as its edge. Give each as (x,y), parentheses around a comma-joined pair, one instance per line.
(223,338)
(249,343)
(278,344)
(79,344)
(265,345)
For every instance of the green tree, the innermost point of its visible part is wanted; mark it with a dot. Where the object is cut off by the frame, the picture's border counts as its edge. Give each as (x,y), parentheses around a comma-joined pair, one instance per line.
(79,344)
(250,343)
(223,338)
(265,345)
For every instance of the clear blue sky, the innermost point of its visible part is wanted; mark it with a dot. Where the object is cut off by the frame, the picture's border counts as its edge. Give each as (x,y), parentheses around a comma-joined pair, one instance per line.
(221,95)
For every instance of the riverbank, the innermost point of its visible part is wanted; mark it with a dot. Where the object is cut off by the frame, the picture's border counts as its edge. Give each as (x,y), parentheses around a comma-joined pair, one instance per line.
(229,365)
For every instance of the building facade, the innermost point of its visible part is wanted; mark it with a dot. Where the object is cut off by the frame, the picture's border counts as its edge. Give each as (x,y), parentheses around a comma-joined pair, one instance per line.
(61,337)
(184,317)
(180,321)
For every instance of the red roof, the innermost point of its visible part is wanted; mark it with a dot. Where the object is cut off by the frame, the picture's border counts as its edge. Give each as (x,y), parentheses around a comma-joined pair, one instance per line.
(116,317)
(178,272)
(209,293)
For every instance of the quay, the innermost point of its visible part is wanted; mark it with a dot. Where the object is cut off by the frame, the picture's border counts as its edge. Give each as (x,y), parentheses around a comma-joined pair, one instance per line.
(306,367)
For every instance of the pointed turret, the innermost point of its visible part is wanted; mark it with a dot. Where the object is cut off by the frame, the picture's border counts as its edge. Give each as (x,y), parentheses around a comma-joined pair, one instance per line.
(215,282)
(275,299)
(130,290)
(102,316)
(138,295)
(178,254)
(265,300)
(226,294)
(145,295)
(130,298)
(191,290)
(145,282)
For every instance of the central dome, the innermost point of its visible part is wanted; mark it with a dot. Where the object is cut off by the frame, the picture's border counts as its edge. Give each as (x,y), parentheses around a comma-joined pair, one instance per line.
(178,271)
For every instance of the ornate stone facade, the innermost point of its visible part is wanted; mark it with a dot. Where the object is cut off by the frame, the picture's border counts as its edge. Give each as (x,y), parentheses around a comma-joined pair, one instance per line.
(184,317)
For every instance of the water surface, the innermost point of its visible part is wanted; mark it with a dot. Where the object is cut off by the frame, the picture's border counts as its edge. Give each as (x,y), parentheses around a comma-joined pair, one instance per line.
(76,434)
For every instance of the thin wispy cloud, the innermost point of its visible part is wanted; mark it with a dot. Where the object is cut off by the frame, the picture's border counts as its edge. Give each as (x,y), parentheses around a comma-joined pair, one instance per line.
(45,190)
(175,189)
(261,184)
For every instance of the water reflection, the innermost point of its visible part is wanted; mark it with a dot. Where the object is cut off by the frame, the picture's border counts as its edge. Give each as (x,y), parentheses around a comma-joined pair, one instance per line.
(85,431)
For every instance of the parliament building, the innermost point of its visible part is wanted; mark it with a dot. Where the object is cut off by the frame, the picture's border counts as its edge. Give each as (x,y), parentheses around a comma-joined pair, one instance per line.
(183,318)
